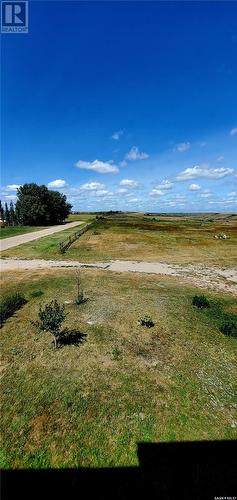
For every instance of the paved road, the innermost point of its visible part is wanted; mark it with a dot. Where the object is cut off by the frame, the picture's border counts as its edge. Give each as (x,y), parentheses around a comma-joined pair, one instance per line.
(14,241)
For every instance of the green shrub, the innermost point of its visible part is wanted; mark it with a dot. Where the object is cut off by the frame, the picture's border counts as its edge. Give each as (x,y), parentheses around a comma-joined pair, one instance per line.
(116,354)
(229,327)
(37,293)
(146,321)
(51,319)
(9,305)
(201,301)
(80,298)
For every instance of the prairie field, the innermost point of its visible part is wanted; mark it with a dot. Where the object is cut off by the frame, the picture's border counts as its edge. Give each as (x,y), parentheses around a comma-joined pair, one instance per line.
(165,240)
(168,239)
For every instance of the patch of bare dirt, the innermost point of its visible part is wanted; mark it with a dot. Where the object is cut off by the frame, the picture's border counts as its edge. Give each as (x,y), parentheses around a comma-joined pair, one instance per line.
(37,427)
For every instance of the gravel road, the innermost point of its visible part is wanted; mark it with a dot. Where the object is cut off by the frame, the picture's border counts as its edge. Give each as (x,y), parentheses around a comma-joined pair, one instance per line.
(216,278)
(14,241)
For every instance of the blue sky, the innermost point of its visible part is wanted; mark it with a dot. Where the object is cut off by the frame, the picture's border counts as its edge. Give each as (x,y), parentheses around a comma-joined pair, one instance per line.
(124,105)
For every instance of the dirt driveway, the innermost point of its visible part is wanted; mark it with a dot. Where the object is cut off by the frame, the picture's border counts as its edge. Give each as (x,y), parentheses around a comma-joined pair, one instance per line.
(213,277)
(14,241)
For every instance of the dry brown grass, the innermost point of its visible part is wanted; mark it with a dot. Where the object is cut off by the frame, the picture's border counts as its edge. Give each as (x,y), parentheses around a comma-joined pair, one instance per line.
(182,242)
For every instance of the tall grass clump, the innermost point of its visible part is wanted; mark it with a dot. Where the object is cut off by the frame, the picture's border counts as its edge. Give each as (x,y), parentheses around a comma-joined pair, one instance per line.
(37,293)
(9,305)
(146,321)
(201,301)
(229,326)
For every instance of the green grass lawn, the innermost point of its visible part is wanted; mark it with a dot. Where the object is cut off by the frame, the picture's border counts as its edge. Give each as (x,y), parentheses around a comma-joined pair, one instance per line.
(179,240)
(89,405)
(7,232)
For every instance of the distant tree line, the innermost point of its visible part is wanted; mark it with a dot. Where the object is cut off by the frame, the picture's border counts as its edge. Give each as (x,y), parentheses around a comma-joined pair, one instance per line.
(35,206)
(108,212)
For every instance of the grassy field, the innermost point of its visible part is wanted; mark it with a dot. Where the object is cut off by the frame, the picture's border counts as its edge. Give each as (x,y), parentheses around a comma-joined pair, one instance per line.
(84,217)
(7,232)
(170,240)
(167,239)
(89,405)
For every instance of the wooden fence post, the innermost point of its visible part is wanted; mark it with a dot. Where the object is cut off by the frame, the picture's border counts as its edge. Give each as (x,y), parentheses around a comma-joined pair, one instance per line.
(64,245)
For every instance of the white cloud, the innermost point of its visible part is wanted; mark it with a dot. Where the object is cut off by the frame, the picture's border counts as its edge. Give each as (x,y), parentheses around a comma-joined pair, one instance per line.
(233,193)
(92,186)
(12,187)
(99,166)
(157,192)
(116,135)
(123,163)
(10,196)
(102,192)
(135,154)
(203,171)
(183,146)
(233,131)
(205,195)
(165,184)
(133,200)
(194,187)
(172,203)
(223,202)
(179,196)
(220,158)
(58,183)
(122,190)
(129,183)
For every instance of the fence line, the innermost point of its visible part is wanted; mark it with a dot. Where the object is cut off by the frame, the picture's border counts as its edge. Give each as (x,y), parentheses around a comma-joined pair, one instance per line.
(64,245)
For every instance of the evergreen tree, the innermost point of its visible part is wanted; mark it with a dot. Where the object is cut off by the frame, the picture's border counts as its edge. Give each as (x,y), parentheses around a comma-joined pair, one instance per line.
(1,211)
(7,214)
(17,216)
(12,214)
